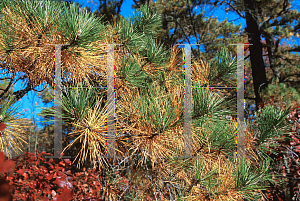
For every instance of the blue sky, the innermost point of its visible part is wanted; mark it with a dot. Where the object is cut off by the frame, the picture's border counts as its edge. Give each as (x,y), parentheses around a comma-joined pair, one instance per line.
(126,10)
(32,103)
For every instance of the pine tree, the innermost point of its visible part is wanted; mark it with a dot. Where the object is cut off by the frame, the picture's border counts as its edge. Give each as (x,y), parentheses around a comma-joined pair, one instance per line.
(275,21)
(149,87)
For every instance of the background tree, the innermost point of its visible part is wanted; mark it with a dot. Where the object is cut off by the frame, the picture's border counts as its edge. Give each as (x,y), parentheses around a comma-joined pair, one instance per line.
(274,21)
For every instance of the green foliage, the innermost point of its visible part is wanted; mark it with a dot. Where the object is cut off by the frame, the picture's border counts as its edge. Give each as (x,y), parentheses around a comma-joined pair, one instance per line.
(9,110)
(13,135)
(77,23)
(138,33)
(250,178)
(133,73)
(272,122)
(159,112)
(208,104)
(75,103)
(218,136)
(71,20)
(282,93)
(226,66)
(146,21)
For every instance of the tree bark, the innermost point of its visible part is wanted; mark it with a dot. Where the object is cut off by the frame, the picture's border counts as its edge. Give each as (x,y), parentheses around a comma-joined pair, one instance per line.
(257,63)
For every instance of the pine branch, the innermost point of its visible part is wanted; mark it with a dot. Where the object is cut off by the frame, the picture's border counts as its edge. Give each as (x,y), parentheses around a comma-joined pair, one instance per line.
(19,94)
(233,8)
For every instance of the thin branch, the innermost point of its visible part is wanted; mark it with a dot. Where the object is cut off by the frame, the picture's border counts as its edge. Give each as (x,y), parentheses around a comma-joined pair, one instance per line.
(234,8)
(5,78)
(39,90)
(263,22)
(296,49)
(187,38)
(250,98)
(136,3)
(293,81)
(283,78)
(19,94)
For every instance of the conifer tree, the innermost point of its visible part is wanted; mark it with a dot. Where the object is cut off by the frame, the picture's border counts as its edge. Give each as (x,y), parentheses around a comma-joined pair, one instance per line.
(275,21)
(149,87)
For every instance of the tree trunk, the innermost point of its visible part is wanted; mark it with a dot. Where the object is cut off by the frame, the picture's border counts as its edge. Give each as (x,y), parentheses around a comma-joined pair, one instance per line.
(257,63)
